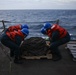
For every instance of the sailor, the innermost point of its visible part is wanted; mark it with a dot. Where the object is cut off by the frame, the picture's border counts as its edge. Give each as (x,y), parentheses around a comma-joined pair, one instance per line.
(58,35)
(12,39)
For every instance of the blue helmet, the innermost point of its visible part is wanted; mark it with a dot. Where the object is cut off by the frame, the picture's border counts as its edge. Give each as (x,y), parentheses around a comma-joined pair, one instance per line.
(25,31)
(47,25)
(24,26)
(43,30)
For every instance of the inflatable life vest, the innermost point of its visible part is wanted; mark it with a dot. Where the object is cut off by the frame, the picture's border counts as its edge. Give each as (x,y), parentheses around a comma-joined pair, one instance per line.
(58,28)
(15,27)
(12,35)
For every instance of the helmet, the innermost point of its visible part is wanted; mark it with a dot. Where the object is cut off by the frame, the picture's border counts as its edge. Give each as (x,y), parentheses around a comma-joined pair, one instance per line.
(47,25)
(24,26)
(25,31)
(43,30)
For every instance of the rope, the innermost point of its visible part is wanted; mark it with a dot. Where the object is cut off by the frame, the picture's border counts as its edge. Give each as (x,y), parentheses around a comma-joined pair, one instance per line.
(35,46)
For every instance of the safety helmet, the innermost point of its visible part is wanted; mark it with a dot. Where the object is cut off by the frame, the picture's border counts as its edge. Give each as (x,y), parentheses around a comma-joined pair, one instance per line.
(47,25)
(43,30)
(24,26)
(25,31)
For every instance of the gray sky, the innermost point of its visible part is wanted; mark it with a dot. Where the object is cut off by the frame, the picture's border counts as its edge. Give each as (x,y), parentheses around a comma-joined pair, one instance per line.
(37,4)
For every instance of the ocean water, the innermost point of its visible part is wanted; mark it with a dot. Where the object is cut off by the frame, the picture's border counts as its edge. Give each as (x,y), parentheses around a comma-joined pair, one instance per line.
(34,19)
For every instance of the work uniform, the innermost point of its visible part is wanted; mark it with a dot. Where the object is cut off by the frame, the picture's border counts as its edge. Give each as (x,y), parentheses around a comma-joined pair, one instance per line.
(59,36)
(12,39)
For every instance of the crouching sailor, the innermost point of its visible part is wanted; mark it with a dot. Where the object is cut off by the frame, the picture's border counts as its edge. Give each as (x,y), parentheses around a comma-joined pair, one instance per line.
(12,39)
(58,35)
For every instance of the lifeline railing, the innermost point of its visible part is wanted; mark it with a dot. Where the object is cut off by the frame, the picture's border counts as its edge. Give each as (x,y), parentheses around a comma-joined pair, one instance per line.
(53,21)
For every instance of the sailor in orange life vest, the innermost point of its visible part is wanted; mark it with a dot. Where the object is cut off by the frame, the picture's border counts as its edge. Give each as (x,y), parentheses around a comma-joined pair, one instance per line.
(58,35)
(12,39)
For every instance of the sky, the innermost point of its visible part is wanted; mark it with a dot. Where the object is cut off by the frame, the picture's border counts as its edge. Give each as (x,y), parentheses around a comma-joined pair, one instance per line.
(37,4)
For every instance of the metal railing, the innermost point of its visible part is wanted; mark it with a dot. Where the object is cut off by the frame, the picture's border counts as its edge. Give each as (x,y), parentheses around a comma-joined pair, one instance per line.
(53,21)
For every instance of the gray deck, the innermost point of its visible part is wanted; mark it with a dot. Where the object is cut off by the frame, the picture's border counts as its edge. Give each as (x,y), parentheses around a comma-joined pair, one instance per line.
(66,66)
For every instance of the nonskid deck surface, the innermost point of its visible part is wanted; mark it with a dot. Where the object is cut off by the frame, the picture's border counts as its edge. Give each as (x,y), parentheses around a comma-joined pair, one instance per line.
(66,66)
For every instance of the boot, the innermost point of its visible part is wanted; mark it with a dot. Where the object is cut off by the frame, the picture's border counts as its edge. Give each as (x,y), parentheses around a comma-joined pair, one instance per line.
(11,53)
(18,61)
(56,57)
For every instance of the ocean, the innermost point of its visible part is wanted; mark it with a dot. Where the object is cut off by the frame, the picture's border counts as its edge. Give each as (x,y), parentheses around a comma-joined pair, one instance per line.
(35,19)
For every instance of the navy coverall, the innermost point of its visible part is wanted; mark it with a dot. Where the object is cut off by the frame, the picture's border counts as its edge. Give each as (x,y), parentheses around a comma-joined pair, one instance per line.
(14,46)
(56,42)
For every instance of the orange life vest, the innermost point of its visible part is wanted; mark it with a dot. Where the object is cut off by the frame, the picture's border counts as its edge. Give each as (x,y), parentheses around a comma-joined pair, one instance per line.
(15,27)
(58,28)
(12,35)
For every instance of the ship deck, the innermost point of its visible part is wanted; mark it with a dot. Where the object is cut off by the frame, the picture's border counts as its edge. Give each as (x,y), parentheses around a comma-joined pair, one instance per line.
(65,66)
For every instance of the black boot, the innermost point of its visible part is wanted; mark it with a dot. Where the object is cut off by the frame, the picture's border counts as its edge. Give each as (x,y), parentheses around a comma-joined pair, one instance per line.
(18,61)
(56,57)
(11,53)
